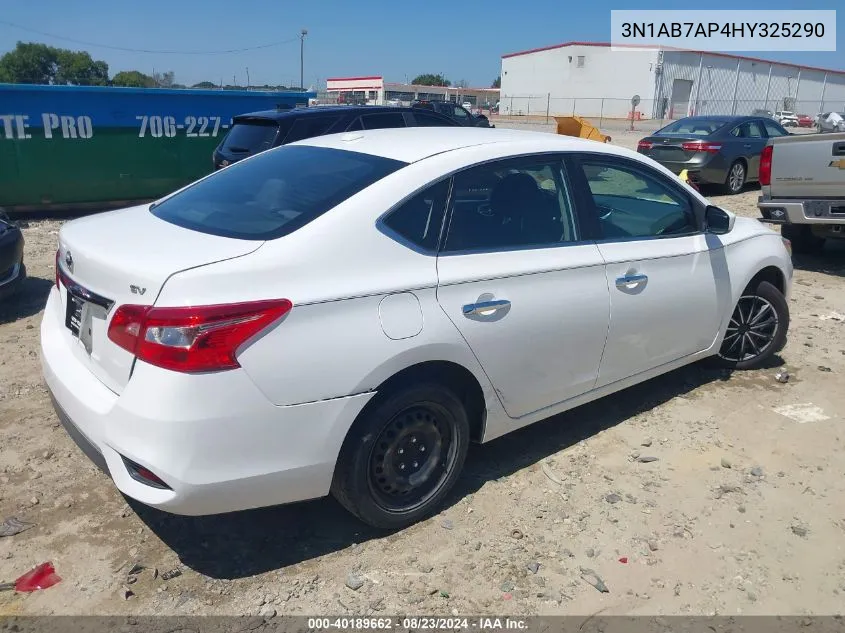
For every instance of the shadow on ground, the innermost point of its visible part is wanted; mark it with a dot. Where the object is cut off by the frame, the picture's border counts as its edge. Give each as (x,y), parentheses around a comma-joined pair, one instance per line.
(29,299)
(829,261)
(243,544)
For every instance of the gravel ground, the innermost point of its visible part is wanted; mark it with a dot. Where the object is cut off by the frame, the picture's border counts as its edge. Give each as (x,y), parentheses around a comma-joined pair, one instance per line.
(740,512)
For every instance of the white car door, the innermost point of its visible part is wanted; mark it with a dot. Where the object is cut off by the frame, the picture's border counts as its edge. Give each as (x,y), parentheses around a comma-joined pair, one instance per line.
(663,283)
(529,298)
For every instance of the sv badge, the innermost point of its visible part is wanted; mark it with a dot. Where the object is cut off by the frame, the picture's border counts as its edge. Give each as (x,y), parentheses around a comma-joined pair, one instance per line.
(137,290)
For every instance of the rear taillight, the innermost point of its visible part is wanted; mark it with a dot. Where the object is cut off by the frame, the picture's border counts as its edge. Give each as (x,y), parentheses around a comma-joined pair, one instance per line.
(644,145)
(701,146)
(766,165)
(192,339)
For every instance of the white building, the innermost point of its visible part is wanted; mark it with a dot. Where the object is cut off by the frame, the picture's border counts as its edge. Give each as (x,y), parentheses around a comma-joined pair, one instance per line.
(590,79)
(373,90)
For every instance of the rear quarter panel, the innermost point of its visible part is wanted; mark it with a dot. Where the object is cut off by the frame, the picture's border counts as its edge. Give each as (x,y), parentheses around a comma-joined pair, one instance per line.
(806,166)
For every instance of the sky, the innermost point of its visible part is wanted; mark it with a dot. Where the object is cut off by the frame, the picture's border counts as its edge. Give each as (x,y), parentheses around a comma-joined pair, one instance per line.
(397,39)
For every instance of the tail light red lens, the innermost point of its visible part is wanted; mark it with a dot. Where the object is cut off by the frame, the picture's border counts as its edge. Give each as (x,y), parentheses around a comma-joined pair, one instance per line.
(766,165)
(645,145)
(192,339)
(701,146)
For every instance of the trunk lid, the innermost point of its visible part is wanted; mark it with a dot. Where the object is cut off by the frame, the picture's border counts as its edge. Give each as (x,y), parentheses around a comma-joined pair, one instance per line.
(121,257)
(669,148)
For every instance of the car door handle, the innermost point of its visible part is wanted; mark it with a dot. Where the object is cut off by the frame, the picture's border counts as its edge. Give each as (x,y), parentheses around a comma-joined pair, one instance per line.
(747,145)
(630,280)
(485,306)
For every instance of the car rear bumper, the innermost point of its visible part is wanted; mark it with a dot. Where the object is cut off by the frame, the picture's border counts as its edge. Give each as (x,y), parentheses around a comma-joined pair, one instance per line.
(214,439)
(777,211)
(713,171)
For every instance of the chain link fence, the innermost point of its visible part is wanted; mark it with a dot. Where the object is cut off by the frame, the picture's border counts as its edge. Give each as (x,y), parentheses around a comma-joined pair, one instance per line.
(650,114)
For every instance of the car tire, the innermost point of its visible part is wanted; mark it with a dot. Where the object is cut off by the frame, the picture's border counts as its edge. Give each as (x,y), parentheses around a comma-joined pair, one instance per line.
(804,242)
(757,329)
(736,177)
(422,430)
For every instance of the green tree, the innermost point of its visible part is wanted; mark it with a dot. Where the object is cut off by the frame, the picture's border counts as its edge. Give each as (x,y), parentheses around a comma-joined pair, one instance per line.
(431,80)
(133,79)
(497,82)
(29,63)
(77,68)
(33,63)
(206,85)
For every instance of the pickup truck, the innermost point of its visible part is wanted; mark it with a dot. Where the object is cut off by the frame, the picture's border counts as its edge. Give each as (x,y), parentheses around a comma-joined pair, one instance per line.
(803,188)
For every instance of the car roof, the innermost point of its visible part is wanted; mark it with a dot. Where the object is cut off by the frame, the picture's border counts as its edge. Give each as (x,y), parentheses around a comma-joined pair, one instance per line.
(727,118)
(412,144)
(278,115)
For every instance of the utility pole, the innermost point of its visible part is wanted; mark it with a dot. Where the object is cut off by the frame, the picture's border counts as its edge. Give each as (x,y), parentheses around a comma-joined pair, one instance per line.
(247,77)
(302,35)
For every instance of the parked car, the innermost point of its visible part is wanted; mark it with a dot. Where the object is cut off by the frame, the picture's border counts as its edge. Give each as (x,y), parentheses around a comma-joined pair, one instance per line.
(831,122)
(762,112)
(805,120)
(259,131)
(455,112)
(803,188)
(345,315)
(467,105)
(721,150)
(12,268)
(786,118)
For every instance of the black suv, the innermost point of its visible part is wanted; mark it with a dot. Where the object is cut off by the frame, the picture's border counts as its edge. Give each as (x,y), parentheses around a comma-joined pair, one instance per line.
(258,131)
(456,112)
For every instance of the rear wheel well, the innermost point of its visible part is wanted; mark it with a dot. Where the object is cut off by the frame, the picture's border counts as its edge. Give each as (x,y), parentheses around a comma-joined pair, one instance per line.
(449,374)
(772,274)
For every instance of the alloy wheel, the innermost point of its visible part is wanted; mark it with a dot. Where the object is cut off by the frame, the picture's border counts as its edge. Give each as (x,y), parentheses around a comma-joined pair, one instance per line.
(736,178)
(751,331)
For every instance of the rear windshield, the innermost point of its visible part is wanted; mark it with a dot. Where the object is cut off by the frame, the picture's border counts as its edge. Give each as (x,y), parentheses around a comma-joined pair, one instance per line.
(251,137)
(692,127)
(274,193)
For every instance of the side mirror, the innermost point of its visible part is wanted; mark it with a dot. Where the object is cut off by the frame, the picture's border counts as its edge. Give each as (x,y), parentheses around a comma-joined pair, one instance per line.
(718,221)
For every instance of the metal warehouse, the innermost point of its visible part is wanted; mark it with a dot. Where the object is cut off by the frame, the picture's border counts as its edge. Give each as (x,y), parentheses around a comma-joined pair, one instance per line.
(592,79)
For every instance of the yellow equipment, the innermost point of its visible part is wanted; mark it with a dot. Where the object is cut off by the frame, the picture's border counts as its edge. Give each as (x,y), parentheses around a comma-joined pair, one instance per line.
(580,127)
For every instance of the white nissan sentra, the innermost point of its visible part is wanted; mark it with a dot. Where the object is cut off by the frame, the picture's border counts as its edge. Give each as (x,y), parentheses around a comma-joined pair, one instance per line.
(346,314)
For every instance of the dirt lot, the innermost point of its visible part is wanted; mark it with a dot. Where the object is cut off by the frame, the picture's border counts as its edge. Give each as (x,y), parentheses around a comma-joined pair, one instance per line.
(742,511)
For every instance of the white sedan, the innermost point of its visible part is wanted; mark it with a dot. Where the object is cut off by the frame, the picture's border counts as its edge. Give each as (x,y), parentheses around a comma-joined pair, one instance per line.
(346,314)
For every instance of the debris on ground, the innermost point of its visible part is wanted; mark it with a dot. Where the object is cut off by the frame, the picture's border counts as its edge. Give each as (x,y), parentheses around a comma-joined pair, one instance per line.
(354,581)
(548,473)
(799,530)
(533,567)
(726,463)
(782,376)
(613,498)
(447,524)
(170,575)
(824,368)
(517,534)
(592,578)
(13,526)
(624,560)
(42,576)
(646,459)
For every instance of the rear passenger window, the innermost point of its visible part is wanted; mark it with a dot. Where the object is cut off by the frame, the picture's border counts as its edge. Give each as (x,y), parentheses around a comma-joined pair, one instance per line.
(419,219)
(511,203)
(309,127)
(773,130)
(383,120)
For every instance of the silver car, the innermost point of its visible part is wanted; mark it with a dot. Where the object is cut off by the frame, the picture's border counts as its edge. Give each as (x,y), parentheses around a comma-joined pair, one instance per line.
(824,123)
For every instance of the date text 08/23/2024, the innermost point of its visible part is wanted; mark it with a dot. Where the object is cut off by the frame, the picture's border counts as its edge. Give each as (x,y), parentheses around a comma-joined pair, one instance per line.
(417,624)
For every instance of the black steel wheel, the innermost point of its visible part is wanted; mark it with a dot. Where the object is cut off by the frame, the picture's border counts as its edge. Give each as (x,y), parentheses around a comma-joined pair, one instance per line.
(402,456)
(757,328)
